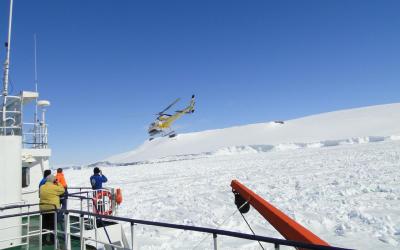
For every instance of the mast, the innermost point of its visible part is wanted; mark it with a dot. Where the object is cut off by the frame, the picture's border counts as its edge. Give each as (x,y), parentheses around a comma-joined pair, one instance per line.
(35,117)
(8,47)
(7,67)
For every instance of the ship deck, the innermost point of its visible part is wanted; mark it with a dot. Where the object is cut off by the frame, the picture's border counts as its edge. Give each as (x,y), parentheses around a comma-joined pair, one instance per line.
(34,240)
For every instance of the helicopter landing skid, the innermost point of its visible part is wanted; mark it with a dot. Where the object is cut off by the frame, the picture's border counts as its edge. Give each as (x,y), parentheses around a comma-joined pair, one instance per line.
(170,134)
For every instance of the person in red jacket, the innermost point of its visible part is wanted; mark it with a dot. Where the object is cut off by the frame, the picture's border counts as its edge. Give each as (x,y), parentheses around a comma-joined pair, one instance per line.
(63,199)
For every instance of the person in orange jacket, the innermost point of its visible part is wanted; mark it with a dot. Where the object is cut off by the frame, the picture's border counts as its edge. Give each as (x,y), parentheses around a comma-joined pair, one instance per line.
(61,180)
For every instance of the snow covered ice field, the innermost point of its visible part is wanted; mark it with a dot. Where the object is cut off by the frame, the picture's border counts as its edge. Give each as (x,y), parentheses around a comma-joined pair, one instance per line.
(349,195)
(337,174)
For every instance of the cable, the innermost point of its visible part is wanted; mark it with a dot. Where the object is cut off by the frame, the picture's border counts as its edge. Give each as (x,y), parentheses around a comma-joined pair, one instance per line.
(218,226)
(105,230)
(244,218)
(208,235)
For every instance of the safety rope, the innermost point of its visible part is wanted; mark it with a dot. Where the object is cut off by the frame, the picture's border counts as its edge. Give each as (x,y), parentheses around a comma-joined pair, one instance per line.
(218,226)
(244,218)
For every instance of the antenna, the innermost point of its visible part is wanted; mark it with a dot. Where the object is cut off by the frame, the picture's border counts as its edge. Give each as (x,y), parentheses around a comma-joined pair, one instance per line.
(35,117)
(36,78)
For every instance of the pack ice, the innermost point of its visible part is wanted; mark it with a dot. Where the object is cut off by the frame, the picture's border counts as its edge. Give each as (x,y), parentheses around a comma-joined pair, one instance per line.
(337,173)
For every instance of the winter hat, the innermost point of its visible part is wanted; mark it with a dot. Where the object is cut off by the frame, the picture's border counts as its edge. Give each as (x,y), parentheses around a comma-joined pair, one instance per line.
(46,173)
(50,178)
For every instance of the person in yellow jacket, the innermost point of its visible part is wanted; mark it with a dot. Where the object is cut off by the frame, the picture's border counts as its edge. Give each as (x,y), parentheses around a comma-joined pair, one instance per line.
(49,199)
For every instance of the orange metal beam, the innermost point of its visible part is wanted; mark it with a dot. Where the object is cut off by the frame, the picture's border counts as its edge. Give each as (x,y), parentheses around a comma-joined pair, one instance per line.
(286,226)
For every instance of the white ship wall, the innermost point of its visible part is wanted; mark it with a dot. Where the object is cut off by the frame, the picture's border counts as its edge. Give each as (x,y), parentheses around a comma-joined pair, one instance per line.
(11,187)
(30,194)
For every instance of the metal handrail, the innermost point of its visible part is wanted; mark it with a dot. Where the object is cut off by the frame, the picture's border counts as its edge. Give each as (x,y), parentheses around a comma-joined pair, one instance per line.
(27,205)
(11,111)
(212,231)
(35,135)
(11,127)
(17,206)
(29,233)
(90,188)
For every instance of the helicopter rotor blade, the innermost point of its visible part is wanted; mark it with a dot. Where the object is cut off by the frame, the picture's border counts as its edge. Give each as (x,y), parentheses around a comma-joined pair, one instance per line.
(169,106)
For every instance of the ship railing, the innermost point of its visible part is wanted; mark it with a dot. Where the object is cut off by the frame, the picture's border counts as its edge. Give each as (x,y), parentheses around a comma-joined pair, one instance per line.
(98,201)
(24,211)
(35,135)
(132,222)
(10,116)
(12,130)
(214,232)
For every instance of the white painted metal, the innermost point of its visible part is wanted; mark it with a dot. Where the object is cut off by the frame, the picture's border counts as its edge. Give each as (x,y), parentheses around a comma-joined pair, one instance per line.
(40,232)
(40,163)
(55,231)
(67,231)
(35,116)
(132,234)
(82,231)
(37,153)
(43,126)
(28,230)
(12,159)
(28,96)
(43,103)
(10,185)
(115,232)
(7,62)
(95,233)
(6,70)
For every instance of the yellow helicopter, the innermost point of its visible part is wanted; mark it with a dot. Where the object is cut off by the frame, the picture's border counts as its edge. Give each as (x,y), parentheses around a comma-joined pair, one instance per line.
(162,125)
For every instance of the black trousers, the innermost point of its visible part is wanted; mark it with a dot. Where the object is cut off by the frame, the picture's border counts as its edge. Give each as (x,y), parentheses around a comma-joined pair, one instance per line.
(48,223)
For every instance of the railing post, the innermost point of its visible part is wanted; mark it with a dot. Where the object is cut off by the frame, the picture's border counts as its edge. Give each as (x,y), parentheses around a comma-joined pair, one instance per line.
(276,246)
(88,202)
(67,234)
(82,228)
(215,241)
(132,234)
(27,230)
(40,231)
(55,230)
(104,205)
(95,229)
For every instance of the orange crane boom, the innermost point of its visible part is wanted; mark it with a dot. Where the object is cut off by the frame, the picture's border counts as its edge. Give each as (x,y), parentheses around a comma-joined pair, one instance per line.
(286,226)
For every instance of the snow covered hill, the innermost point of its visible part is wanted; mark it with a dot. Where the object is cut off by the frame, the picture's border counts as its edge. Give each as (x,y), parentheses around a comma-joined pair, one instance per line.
(375,123)
(348,194)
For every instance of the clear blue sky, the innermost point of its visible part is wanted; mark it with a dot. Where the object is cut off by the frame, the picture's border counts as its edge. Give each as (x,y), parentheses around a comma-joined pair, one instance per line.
(108,66)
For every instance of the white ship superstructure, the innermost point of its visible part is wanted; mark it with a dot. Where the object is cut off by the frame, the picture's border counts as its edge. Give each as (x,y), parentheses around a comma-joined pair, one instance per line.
(24,151)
